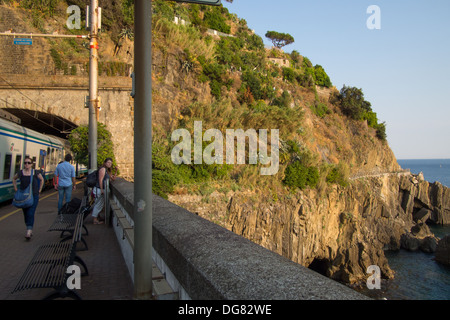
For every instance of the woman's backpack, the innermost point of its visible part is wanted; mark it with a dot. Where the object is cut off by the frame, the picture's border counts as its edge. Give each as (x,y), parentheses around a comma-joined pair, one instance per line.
(92,178)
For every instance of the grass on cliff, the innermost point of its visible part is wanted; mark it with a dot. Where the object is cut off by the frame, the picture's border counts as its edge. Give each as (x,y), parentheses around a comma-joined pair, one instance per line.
(299,168)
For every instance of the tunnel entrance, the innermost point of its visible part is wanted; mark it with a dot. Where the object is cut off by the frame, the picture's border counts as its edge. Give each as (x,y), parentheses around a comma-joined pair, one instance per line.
(40,121)
(319,266)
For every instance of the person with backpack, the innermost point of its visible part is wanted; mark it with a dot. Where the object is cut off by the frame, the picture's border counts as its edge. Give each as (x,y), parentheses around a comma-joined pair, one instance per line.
(103,173)
(66,180)
(36,187)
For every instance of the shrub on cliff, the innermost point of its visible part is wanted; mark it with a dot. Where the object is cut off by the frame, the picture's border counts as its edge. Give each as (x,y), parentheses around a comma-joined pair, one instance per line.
(381,131)
(320,109)
(297,175)
(339,175)
(214,19)
(353,105)
(322,79)
(215,74)
(166,175)
(283,101)
(289,74)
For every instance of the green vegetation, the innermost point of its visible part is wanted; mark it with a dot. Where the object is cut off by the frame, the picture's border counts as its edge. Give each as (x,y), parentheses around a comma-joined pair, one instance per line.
(79,144)
(338,174)
(47,7)
(322,79)
(320,109)
(298,175)
(167,175)
(215,20)
(279,39)
(215,74)
(354,106)
(259,104)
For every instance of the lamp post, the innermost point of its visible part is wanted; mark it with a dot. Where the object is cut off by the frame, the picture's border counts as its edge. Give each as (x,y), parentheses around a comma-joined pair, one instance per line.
(93,85)
(143,146)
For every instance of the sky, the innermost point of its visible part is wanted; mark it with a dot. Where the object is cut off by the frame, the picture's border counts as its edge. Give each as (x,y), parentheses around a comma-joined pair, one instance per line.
(403,67)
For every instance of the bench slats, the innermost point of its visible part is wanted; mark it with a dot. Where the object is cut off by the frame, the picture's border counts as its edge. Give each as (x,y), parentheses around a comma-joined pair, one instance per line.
(63,222)
(44,269)
(48,266)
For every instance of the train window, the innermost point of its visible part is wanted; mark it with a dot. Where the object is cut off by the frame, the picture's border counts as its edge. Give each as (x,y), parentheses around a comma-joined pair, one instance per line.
(18,163)
(34,162)
(7,167)
(42,155)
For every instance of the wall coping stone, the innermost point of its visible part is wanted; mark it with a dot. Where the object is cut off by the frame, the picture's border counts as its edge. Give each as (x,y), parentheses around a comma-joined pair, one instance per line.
(213,263)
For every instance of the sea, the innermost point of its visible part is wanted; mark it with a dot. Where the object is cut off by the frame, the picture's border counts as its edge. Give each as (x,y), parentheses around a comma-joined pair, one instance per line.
(417,275)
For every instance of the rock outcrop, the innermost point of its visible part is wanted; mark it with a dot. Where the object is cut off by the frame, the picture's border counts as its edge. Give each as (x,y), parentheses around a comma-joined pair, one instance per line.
(420,197)
(345,231)
(443,251)
(420,237)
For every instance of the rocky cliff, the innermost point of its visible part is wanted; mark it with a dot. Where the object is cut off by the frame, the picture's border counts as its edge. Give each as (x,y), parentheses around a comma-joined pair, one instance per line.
(343,232)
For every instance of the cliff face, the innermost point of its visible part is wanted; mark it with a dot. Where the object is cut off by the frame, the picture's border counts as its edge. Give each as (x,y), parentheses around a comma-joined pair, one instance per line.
(345,231)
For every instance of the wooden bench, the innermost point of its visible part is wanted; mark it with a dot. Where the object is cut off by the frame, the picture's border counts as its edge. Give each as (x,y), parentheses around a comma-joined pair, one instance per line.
(48,268)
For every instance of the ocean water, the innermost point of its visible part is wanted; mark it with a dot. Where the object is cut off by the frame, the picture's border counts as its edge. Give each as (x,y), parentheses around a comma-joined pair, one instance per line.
(417,275)
(433,170)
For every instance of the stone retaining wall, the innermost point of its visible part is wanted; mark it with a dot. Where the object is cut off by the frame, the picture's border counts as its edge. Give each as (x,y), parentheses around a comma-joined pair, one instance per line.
(210,262)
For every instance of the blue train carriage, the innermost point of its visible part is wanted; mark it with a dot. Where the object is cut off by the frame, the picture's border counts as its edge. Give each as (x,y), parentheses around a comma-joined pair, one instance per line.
(17,142)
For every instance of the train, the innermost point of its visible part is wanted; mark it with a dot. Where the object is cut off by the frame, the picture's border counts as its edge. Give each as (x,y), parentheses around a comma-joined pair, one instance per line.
(18,142)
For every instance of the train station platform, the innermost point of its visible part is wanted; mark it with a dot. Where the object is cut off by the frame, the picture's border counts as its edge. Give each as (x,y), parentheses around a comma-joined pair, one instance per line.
(108,277)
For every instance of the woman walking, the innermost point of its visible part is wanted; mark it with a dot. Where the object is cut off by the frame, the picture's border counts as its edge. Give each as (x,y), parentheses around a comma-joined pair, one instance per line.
(38,183)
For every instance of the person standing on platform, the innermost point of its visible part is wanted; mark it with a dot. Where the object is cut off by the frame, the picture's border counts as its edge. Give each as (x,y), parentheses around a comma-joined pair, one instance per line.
(104,173)
(66,180)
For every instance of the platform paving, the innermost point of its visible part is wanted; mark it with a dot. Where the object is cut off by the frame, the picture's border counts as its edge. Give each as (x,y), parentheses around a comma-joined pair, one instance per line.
(108,277)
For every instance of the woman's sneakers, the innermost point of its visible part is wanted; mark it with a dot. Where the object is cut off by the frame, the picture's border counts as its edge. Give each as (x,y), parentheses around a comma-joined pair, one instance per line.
(29,234)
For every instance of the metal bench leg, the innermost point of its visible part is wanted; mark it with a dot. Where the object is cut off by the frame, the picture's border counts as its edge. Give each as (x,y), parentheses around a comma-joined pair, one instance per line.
(67,238)
(61,294)
(81,262)
(85,245)
(87,232)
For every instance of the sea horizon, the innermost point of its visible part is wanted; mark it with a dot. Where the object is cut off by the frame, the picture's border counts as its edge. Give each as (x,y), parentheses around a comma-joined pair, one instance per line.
(433,169)
(409,159)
